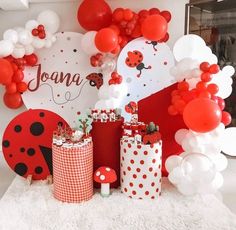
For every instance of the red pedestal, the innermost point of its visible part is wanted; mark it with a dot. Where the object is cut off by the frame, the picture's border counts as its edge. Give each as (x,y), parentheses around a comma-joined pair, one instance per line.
(106,139)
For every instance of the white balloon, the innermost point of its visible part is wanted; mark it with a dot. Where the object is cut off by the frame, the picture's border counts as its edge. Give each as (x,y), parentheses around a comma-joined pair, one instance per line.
(29,49)
(193,46)
(172,162)
(88,43)
(31,24)
(198,168)
(218,181)
(25,37)
(228,70)
(175,176)
(228,143)
(11,35)
(38,43)
(220,161)
(6,48)
(18,52)
(50,20)
(103,92)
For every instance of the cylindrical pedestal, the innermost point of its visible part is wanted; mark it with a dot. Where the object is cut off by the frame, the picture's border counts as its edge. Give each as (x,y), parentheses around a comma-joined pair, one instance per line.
(141,170)
(73,173)
(106,141)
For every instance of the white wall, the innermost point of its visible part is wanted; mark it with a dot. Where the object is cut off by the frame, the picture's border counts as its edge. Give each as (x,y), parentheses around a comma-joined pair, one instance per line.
(68,11)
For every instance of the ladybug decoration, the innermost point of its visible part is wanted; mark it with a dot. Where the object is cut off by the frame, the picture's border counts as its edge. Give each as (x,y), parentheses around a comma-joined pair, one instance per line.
(135,59)
(153,43)
(95,79)
(131,107)
(27,143)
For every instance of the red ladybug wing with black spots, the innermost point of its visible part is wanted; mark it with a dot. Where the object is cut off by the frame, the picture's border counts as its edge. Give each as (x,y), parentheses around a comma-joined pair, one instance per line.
(95,80)
(27,142)
(134,58)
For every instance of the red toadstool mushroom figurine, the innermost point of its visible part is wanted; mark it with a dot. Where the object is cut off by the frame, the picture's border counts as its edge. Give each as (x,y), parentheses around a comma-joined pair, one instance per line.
(105,176)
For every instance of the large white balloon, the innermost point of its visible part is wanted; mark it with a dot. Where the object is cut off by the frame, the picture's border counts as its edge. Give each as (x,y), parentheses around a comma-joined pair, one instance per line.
(176,176)
(193,46)
(88,43)
(6,48)
(228,143)
(38,43)
(220,161)
(218,181)
(11,35)
(50,20)
(172,162)
(29,49)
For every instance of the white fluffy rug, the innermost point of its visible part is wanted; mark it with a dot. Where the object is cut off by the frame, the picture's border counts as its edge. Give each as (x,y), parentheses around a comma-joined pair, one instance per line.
(25,207)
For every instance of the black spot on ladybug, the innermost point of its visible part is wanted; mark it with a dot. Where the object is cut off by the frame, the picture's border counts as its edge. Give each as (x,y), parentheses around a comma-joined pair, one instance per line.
(135,64)
(17,128)
(22,150)
(38,170)
(10,155)
(75,50)
(128,94)
(60,123)
(42,114)
(140,56)
(127,59)
(21,169)
(6,143)
(36,129)
(144,85)
(30,151)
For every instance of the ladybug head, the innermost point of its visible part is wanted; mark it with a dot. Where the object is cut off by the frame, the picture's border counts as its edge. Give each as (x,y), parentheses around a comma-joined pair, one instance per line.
(134,58)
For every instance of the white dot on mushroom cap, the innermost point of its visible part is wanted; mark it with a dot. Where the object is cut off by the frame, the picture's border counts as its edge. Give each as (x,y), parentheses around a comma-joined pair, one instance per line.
(108,169)
(98,173)
(102,177)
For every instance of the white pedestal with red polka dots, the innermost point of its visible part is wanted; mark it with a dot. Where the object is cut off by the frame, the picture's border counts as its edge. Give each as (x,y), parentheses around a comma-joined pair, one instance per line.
(73,173)
(141,170)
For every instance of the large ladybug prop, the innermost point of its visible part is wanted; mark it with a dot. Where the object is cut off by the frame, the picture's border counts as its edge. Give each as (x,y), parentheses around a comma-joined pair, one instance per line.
(27,143)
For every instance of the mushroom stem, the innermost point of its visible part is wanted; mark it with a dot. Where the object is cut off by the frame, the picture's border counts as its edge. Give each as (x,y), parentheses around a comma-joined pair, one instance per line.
(105,189)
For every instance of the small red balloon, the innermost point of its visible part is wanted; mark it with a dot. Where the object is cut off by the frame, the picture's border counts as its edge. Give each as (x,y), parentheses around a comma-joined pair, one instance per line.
(6,72)
(154,27)
(205,66)
(154,11)
(214,69)
(213,88)
(202,115)
(13,101)
(221,103)
(166,14)
(94,15)
(31,59)
(226,118)
(106,40)
(22,87)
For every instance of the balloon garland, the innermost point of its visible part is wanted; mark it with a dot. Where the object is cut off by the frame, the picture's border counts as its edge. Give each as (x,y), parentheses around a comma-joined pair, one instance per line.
(199,98)
(17,51)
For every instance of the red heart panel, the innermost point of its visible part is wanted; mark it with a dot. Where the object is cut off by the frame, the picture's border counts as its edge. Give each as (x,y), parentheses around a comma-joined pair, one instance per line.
(27,142)
(155,108)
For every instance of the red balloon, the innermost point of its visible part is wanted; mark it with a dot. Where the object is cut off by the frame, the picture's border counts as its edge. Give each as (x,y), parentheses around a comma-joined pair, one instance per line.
(166,14)
(154,27)
(202,115)
(226,118)
(94,15)
(221,103)
(22,87)
(13,101)
(106,40)
(18,76)
(11,88)
(31,59)
(6,72)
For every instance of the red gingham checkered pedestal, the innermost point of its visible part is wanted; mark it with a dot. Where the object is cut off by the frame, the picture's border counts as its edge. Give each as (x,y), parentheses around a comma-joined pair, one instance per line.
(73,173)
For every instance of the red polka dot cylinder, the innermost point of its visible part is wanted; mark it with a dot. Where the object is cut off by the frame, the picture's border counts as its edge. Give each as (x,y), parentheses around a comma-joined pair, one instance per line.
(141,169)
(73,173)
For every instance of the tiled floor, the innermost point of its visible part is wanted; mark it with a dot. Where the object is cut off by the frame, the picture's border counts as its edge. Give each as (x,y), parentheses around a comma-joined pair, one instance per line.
(228,191)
